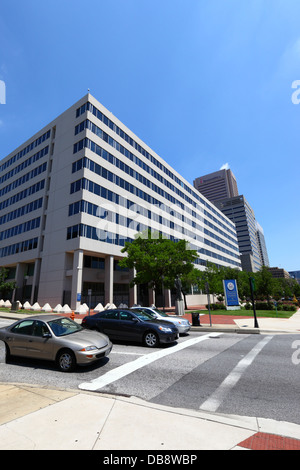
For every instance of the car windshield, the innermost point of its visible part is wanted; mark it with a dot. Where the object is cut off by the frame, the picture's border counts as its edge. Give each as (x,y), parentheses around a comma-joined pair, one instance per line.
(163,314)
(142,315)
(64,326)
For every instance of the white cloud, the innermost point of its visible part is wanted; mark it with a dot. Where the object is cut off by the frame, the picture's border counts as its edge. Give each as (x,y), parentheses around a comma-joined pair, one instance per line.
(225,166)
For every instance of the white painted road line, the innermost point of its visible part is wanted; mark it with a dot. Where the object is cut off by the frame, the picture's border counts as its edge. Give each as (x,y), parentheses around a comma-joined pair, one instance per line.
(143,361)
(214,401)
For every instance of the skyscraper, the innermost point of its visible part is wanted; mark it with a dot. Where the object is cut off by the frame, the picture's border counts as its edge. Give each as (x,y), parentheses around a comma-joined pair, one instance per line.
(240,212)
(218,185)
(221,188)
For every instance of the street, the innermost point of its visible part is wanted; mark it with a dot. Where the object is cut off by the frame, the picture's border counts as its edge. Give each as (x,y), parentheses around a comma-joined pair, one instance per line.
(238,374)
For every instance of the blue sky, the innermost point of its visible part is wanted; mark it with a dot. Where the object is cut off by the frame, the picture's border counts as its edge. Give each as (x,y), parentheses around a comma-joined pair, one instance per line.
(203,82)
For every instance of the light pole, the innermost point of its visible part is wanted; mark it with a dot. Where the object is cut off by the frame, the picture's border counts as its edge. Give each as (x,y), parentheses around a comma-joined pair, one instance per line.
(162,289)
(252,288)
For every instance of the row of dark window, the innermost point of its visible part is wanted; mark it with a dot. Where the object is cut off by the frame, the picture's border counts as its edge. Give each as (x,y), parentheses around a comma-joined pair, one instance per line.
(25,150)
(21,228)
(28,176)
(34,158)
(108,122)
(105,193)
(23,194)
(138,161)
(20,247)
(20,211)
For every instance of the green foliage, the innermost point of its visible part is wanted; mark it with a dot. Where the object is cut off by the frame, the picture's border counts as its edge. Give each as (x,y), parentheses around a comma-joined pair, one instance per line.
(5,287)
(156,259)
(266,287)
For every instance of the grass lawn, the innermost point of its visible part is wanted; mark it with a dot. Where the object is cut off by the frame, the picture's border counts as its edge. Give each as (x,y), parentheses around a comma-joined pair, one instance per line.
(246,313)
(21,310)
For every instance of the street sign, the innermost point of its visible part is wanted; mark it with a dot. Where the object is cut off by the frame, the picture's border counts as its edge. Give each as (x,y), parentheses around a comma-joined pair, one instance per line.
(231,294)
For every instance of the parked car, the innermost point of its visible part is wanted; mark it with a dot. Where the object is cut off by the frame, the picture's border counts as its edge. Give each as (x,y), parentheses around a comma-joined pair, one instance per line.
(123,324)
(55,338)
(182,324)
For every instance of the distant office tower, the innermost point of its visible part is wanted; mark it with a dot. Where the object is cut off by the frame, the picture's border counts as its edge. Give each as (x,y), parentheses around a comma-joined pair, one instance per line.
(221,188)
(240,212)
(262,245)
(295,275)
(218,185)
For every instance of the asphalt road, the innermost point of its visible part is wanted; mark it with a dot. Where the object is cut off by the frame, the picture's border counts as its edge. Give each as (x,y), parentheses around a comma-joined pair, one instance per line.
(240,374)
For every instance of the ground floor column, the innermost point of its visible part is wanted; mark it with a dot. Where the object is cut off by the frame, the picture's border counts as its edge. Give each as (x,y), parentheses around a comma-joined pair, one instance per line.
(151,293)
(35,281)
(20,280)
(77,279)
(167,298)
(109,280)
(132,290)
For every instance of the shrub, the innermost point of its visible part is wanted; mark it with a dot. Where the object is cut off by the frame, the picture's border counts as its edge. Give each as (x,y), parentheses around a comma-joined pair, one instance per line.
(264,306)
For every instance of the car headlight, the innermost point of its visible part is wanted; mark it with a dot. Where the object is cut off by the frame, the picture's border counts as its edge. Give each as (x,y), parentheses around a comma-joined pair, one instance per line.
(89,348)
(165,329)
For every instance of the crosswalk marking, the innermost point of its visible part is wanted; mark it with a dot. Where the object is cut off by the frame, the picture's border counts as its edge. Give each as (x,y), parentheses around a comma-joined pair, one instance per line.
(216,398)
(143,361)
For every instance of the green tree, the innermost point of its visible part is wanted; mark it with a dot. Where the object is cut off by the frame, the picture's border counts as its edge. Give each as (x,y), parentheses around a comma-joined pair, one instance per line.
(264,283)
(5,286)
(156,259)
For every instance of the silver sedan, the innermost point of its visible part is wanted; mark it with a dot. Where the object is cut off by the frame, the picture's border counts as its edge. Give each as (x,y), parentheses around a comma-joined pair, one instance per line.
(182,324)
(55,338)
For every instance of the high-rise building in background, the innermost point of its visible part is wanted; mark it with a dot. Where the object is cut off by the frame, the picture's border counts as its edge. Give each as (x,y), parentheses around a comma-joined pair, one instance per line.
(218,185)
(295,275)
(76,191)
(221,188)
(262,245)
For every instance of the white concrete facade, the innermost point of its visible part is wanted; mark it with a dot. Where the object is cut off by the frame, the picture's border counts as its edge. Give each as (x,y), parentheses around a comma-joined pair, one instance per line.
(95,186)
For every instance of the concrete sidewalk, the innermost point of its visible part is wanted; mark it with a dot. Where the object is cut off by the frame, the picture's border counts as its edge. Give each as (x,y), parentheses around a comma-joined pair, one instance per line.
(33,417)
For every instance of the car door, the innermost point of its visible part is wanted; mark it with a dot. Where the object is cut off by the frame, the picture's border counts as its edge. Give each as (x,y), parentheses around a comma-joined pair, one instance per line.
(26,339)
(40,347)
(108,323)
(130,326)
(19,336)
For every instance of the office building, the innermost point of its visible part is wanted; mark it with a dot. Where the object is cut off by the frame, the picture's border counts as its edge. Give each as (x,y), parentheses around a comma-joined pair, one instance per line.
(218,185)
(240,212)
(221,188)
(295,275)
(76,191)
(279,273)
(262,245)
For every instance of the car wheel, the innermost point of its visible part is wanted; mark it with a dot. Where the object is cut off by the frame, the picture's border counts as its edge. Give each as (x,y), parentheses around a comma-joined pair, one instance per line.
(66,360)
(151,339)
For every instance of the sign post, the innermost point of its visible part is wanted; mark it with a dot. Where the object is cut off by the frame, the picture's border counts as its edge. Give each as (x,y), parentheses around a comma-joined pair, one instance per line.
(208,300)
(252,289)
(90,295)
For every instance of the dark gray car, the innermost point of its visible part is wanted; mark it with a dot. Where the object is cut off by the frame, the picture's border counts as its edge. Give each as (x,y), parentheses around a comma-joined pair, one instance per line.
(126,325)
(55,338)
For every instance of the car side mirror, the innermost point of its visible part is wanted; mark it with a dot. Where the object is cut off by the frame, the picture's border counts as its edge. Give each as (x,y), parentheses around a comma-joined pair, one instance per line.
(47,335)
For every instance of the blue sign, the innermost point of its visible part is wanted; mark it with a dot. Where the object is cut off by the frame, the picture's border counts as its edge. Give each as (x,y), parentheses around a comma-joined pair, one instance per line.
(231,293)
(78,297)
